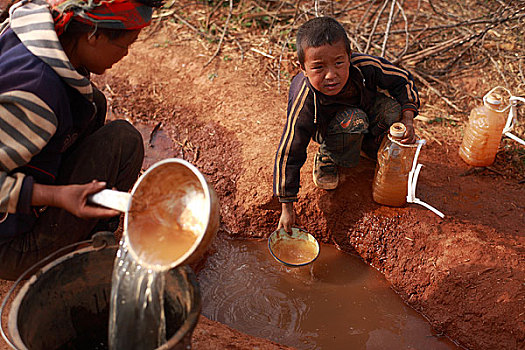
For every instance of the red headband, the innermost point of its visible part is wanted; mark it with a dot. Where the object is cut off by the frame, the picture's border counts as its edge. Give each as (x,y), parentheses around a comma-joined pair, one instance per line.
(112,14)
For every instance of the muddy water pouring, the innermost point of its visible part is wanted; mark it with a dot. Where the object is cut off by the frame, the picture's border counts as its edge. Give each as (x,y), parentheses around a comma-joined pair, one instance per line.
(170,218)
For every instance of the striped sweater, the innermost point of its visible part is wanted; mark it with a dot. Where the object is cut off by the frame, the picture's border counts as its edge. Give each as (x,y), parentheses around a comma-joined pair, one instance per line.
(40,92)
(309,112)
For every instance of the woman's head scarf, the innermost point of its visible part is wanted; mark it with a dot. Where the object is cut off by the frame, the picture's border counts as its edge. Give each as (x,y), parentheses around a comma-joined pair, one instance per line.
(110,14)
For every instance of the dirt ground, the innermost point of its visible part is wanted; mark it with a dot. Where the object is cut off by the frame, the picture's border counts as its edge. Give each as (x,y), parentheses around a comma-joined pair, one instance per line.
(465,273)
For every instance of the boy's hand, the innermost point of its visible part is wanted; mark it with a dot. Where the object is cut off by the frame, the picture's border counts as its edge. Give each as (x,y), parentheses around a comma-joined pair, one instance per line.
(408,120)
(287,219)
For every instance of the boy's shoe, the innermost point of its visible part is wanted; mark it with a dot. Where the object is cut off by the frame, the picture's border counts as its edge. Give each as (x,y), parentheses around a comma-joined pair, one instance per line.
(325,172)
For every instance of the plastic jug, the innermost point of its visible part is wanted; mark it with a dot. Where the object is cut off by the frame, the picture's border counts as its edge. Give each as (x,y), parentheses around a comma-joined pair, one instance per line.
(483,133)
(394,161)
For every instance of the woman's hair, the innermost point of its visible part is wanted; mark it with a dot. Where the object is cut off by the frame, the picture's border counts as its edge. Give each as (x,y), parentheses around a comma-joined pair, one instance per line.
(320,31)
(76,29)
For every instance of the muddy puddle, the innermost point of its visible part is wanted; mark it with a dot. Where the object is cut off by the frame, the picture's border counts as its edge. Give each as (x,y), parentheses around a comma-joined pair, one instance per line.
(338,302)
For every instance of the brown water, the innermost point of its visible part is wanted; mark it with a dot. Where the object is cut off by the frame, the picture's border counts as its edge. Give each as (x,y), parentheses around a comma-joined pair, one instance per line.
(337,302)
(168,213)
(394,162)
(482,135)
(295,251)
(161,241)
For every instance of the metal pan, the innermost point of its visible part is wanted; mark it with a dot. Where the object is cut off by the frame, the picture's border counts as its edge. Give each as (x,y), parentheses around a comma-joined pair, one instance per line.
(294,249)
(171,214)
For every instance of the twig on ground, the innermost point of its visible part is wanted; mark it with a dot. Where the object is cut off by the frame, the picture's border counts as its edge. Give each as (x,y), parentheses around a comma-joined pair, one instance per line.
(186,23)
(224,30)
(364,16)
(240,48)
(388,26)
(430,136)
(522,76)
(375,25)
(405,49)
(262,53)
(472,170)
(345,8)
(494,171)
(279,66)
(153,133)
(496,66)
(434,90)
(208,17)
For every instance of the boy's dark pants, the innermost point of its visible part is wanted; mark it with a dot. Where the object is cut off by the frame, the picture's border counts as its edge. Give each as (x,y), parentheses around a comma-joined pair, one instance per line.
(352,130)
(114,153)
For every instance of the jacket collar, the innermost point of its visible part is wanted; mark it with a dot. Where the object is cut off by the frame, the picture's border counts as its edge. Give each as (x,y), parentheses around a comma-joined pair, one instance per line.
(33,24)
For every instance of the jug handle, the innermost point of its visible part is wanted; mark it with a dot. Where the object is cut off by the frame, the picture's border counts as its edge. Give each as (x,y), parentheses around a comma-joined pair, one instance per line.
(111,199)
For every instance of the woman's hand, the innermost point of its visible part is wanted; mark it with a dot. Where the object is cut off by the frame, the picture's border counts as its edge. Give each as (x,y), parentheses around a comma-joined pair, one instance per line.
(72,198)
(287,219)
(408,120)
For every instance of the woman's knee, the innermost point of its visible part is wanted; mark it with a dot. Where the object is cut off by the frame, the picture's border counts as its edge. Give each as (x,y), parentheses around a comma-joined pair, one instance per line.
(122,132)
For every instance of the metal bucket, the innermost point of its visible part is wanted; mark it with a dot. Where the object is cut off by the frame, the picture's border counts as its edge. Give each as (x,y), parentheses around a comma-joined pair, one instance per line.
(65,305)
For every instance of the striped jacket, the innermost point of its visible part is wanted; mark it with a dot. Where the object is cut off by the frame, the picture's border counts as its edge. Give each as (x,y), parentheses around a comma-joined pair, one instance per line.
(40,92)
(309,112)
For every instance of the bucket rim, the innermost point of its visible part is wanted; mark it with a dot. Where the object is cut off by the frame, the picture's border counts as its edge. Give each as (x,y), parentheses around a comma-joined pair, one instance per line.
(192,316)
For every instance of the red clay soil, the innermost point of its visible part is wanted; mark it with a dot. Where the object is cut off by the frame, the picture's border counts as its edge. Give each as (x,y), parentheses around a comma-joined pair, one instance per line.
(465,273)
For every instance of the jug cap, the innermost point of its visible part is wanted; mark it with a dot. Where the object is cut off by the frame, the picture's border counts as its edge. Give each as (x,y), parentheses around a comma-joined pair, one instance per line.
(494,99)
(397,130)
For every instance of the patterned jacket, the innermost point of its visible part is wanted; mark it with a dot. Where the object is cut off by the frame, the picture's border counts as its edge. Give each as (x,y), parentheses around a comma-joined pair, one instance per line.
(309,112)
(45,105)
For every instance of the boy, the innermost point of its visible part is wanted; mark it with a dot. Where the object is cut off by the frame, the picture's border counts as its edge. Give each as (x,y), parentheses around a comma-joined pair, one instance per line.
(335,101)
(55,148)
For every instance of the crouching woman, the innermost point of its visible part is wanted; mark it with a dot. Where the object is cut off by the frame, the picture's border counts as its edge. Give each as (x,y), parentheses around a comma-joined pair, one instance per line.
(55,147)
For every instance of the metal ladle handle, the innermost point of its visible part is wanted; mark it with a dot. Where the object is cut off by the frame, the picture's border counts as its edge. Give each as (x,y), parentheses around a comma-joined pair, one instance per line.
(111,199)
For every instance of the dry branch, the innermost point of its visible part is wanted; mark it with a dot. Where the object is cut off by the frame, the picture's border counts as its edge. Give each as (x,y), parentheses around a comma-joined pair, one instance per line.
(224,30)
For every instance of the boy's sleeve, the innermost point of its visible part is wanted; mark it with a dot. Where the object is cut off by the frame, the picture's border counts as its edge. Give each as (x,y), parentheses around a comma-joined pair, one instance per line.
(297,133)
(26,126)
(384,75)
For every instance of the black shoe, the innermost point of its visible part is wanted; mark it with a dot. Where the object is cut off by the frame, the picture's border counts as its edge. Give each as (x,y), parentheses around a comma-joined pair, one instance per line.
(325,172)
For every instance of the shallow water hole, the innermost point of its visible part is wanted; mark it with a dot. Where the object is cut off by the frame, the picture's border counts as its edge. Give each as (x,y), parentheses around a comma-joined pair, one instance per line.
(338,302)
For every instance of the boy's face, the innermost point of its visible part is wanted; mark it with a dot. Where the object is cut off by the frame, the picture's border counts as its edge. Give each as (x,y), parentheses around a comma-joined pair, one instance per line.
(326,67)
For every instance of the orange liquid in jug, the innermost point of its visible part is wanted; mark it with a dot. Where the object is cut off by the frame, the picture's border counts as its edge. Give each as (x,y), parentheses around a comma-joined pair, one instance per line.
(482,136)
(390,186)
